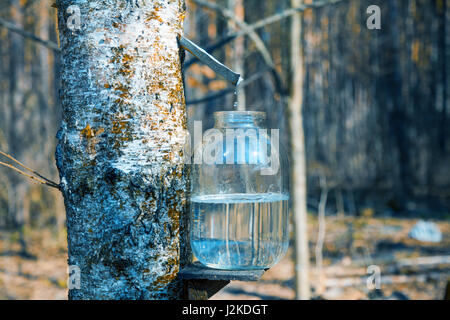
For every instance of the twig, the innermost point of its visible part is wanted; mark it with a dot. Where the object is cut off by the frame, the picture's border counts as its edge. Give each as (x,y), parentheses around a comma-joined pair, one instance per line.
(241,24)
(259,43)
(249,28)
(224,92)
(285,14)
(10,26)
(22,165)
(41,179)
(262,23)
(211,97)
(22,172)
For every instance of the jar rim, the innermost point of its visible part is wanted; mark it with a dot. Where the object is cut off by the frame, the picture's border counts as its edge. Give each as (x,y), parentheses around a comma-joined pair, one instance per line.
(260,114)
(236,119)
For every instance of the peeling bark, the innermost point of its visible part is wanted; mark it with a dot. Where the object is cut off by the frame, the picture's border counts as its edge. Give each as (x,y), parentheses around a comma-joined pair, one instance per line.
(120,148)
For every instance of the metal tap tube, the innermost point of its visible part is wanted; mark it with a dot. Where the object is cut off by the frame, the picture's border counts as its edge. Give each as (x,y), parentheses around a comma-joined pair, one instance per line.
(210,61)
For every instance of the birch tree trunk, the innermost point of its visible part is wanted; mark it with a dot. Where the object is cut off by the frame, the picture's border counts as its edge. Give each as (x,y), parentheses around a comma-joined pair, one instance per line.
(299,160)
(121,147)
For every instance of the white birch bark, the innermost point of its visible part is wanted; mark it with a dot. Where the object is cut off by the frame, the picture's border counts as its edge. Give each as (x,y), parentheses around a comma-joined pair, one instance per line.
(121,147)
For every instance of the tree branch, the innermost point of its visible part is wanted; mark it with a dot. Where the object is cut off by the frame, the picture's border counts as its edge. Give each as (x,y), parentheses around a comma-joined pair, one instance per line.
(11,27)
(259,43)
(261,24)
(224,92)
(230,37)
(247,29)
(242,25)
(282,15)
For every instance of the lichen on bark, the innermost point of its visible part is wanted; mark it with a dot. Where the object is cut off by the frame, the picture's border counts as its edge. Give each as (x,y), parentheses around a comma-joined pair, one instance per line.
(120,151)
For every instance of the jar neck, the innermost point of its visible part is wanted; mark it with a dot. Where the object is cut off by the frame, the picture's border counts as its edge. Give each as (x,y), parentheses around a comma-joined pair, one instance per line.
(239,119)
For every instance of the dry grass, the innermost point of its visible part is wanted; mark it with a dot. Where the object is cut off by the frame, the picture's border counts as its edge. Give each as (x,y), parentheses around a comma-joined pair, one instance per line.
(375,241)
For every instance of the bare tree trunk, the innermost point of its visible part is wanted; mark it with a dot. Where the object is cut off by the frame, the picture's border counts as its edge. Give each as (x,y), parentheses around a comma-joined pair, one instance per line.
(298,160)
(321,278)
(121,147)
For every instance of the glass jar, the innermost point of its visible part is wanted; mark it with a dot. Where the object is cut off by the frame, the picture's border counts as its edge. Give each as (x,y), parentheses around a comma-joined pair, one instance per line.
(239,194)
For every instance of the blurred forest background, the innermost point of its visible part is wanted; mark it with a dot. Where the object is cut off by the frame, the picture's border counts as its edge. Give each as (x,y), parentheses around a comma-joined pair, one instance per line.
(377,129)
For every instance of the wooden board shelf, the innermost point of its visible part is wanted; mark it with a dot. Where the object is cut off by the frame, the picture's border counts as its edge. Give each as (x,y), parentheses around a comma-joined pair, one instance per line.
(198,271)
(202,282)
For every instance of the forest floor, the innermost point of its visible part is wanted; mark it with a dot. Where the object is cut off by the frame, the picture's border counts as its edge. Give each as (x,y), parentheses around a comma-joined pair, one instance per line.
(409,269)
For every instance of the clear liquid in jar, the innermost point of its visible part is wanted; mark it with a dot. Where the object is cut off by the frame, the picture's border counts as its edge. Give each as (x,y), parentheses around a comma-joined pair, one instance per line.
(240,231)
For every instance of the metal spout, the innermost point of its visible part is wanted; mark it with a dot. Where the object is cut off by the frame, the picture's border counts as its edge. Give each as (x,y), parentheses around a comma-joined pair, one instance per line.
(210,61)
